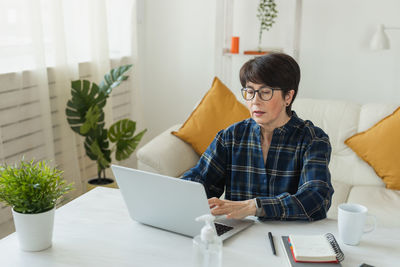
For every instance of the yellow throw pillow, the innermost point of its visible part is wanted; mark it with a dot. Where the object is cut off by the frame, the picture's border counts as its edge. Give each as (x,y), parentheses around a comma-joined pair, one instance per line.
(379,146)
(218,109)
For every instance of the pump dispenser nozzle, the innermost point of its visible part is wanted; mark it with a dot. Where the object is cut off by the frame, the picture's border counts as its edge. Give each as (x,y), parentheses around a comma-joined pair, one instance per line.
(207,234)
(207,245)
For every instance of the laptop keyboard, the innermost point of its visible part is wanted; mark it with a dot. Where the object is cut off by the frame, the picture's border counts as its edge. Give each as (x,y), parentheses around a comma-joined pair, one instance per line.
(222,229)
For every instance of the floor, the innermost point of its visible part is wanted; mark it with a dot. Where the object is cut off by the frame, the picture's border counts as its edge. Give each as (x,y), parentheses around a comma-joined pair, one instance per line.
(6,228)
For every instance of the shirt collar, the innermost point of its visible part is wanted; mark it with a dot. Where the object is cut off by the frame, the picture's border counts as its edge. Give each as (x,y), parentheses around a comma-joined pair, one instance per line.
(293,122)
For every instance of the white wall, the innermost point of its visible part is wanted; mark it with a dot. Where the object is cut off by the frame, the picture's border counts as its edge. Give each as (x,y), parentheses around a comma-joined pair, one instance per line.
(246,25)
(335,59)
(177,54)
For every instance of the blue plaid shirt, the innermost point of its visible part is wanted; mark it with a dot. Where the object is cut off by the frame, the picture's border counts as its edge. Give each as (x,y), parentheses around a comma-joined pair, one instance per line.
(294,184)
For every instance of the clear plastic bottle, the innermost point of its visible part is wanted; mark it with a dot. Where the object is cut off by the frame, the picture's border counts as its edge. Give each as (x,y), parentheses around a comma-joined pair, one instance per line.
(207,247)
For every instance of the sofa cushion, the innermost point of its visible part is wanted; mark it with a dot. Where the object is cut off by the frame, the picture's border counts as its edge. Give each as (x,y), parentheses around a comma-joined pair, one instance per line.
(379,146)
(339,120)
(167,154)
(340,196)
(381,202)
(370,114)
(218,109)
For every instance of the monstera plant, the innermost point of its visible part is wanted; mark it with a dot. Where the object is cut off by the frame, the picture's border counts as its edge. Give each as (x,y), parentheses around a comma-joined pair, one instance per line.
(85,115)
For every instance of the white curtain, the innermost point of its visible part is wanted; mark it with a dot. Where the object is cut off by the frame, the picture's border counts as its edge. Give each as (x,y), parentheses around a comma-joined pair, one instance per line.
(44,45)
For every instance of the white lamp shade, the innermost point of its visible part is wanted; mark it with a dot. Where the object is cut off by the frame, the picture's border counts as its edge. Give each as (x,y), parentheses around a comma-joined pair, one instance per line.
(380,40)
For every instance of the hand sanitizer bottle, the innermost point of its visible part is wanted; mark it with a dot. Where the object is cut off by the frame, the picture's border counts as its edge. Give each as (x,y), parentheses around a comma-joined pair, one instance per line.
(207,247)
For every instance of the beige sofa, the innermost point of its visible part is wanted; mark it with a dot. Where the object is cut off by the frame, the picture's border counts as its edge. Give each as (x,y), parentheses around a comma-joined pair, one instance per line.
(353,179)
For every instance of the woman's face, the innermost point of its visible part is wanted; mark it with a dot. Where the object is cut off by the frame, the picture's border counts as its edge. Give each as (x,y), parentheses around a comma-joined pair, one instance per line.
(269,114)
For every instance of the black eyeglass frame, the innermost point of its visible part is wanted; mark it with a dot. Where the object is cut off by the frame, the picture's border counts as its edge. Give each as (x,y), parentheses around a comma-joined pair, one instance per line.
(243,90)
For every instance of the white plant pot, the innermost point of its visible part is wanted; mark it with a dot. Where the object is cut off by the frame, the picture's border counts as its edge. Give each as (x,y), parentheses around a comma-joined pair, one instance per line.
(34,231)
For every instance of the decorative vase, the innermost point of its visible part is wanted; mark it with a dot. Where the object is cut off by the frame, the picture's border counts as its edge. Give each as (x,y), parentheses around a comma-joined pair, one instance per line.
(34,231)
(235,45)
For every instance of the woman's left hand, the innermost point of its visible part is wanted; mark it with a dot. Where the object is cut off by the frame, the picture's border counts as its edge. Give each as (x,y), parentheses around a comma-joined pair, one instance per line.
(232,209)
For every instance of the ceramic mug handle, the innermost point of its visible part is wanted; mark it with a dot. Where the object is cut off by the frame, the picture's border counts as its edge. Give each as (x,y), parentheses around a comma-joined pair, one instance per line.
(371,226)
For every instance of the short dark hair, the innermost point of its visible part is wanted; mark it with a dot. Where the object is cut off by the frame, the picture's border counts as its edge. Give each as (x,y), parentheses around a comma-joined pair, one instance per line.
(276,70)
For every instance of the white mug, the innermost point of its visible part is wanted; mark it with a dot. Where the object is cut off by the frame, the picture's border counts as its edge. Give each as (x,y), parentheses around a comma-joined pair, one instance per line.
(351,223)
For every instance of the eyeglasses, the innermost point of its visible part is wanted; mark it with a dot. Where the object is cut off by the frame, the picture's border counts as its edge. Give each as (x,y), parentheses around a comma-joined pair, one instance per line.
(265,93)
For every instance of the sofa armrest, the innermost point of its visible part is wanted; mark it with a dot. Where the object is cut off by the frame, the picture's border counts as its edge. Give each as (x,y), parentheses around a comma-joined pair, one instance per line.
(167,154)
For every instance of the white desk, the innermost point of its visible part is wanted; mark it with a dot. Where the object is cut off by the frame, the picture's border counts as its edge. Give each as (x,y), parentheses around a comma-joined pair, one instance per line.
(96,230)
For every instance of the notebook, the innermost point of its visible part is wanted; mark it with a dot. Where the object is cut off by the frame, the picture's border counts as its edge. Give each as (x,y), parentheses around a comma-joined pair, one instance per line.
(313,248)
(169,203)
(318,256)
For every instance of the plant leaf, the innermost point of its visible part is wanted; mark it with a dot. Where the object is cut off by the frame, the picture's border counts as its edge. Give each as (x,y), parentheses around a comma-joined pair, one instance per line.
(85,95)
(114,79)
(122,130)
(99,136)
(126,147)
(102,161)
(92,117)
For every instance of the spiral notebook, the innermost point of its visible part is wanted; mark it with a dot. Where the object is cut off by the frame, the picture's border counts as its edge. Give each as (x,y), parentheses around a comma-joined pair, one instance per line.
(312,250)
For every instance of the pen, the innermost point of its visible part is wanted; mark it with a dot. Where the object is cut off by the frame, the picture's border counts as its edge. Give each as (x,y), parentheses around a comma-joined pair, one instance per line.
(271,241)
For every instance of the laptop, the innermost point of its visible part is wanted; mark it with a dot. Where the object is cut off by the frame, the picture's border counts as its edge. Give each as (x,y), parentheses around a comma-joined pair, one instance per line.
(170,203)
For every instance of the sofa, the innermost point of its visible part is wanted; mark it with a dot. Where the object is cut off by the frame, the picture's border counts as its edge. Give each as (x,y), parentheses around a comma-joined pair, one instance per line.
(353,179)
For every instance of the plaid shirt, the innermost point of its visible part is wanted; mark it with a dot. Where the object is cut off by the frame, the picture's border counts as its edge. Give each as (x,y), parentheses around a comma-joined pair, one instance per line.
(294,184)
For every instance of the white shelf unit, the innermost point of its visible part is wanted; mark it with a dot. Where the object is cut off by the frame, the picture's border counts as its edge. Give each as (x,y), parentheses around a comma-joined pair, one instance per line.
(227,65)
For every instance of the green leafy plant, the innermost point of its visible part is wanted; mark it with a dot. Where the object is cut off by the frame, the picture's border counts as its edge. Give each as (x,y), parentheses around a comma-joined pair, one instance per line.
(85,115)
(267,13)
(31,187)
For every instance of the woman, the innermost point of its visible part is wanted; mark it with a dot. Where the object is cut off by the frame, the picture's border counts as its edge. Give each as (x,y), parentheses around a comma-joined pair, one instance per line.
(273,165)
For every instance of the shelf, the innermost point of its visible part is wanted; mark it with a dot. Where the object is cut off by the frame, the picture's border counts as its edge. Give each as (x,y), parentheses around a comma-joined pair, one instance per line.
(237,55)
(251,53)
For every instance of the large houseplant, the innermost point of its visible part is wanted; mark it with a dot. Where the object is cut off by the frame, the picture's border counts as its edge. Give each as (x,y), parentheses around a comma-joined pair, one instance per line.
(32,190)
(85,115)
(267,13)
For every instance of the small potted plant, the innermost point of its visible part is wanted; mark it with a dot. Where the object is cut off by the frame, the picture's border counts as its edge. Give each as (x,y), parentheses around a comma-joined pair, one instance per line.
(85,115)
(267,13)
(32,190)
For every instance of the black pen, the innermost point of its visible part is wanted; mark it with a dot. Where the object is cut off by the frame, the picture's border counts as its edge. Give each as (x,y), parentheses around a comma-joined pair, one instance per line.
(271,241)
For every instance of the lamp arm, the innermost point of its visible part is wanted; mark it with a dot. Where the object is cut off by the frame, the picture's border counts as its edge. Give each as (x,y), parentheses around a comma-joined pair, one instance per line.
(391,28)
